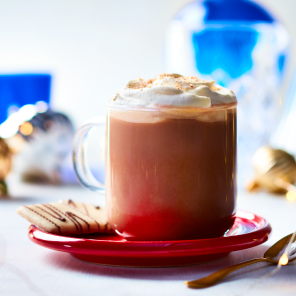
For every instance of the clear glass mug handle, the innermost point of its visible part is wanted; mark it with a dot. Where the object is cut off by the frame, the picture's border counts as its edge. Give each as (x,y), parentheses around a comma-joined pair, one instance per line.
(79,151)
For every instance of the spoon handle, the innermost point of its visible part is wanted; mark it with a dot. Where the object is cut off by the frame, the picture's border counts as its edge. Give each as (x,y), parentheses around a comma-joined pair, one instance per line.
(219,275)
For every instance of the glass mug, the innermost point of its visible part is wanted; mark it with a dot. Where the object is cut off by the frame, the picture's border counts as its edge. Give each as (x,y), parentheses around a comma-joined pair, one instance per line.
(170,172)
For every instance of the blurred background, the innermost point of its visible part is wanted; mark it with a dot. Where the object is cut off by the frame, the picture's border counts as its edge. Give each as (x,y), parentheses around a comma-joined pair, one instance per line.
(92,47)
(86,50)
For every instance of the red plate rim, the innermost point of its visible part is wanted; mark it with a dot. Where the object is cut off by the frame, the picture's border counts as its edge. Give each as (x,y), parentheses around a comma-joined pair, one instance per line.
(104,246)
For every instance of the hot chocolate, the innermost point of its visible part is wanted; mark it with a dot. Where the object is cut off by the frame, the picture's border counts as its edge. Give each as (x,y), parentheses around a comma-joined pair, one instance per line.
(171,159)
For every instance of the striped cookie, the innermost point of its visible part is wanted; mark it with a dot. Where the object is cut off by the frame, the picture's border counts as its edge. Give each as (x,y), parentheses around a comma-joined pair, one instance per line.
(67,217)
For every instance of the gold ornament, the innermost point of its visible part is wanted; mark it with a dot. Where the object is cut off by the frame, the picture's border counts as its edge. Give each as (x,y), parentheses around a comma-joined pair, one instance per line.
(275,170)
(5,166)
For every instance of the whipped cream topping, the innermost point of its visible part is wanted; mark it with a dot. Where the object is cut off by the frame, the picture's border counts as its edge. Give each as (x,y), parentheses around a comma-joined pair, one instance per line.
(172,90)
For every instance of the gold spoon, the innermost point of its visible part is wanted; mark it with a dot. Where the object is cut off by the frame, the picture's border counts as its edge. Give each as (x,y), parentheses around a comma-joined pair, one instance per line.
(274,254)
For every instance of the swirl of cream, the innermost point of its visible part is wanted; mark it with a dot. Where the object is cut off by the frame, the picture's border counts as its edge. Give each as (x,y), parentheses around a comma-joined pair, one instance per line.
(172,90)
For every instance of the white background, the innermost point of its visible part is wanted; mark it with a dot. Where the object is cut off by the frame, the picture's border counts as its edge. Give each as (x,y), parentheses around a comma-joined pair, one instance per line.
(92,47)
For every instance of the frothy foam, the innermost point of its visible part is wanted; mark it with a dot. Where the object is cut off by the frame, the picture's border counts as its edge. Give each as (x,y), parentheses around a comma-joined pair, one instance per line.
(172,90)
(142,116)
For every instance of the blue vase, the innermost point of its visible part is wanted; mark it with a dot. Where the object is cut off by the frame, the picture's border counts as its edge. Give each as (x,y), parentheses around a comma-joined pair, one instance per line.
(241,46)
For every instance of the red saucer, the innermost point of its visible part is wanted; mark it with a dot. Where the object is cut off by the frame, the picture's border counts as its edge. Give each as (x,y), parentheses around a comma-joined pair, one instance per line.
(249,230)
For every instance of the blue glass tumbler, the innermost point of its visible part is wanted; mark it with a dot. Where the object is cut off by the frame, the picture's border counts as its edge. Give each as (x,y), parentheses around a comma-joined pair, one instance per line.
(241,46)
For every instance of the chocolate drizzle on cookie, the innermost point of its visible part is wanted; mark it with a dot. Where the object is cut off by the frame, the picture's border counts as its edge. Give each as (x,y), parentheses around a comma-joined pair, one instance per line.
(55,213)
(70,202)
(44,218)
(74,218)
(86,212)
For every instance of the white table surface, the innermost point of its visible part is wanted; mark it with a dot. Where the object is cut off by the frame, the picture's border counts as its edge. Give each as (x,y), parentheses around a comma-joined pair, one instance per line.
(28,269)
